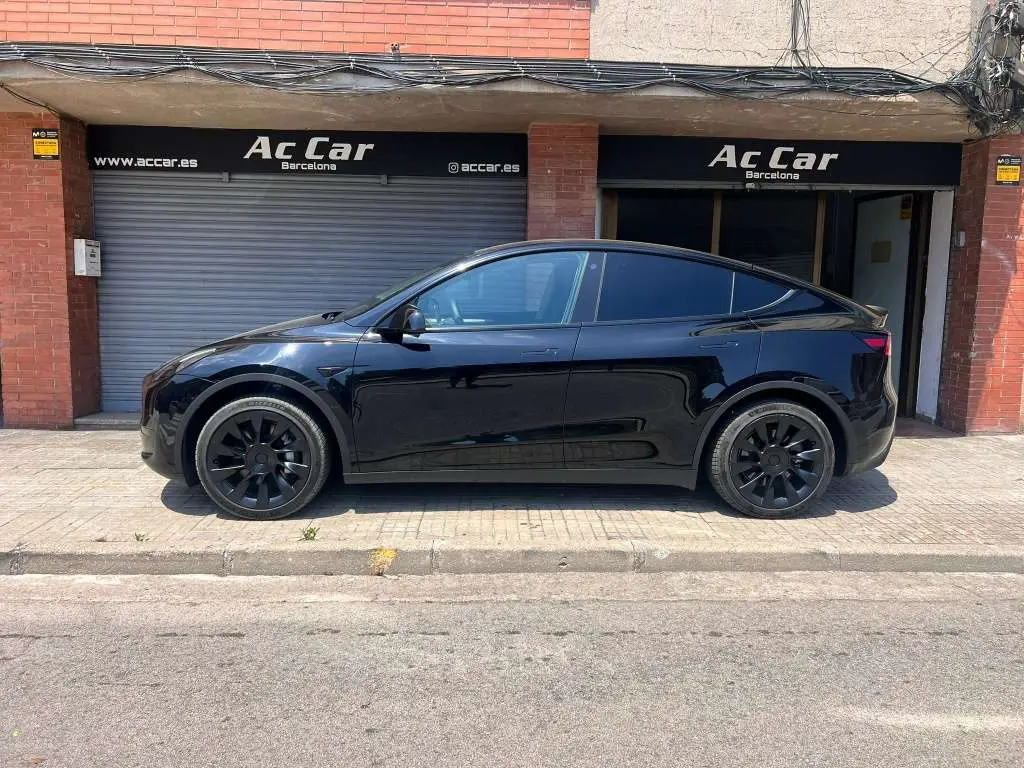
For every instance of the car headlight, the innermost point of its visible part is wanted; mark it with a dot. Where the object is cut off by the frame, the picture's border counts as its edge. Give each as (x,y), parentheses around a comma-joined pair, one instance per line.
(178,364)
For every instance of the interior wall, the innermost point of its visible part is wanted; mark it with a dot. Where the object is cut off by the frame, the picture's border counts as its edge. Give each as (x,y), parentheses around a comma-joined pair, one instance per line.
(932,327)
(881,259)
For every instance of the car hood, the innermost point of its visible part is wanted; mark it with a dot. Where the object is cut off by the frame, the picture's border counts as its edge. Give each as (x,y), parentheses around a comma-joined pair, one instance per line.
(287,330)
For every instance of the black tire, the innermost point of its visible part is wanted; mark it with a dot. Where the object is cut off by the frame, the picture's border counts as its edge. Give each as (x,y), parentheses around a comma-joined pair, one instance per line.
(262,458)
(772,459)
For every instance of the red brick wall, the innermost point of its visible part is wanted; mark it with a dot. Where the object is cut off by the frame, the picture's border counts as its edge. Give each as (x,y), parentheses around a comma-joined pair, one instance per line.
(521,28)
(562,189)
(983,360)
(48,343)
(82,305)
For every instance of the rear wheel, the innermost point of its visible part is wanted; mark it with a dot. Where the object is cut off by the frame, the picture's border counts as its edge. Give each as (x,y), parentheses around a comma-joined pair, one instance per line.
(772,460)
(262,458)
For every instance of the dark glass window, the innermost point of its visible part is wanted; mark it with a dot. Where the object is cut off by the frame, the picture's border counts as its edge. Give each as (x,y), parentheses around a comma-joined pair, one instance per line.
(669,217)
(773,229)
(640,286)
(750,293)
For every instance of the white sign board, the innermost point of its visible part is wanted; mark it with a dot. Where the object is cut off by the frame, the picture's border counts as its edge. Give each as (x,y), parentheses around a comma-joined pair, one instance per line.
(87,258)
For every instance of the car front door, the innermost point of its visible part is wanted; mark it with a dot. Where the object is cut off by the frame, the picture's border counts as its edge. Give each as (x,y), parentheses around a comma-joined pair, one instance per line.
(483,387)
(668,338)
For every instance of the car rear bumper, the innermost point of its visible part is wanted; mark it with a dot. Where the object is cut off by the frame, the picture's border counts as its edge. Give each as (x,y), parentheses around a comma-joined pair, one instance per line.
(875,438)
(877,453)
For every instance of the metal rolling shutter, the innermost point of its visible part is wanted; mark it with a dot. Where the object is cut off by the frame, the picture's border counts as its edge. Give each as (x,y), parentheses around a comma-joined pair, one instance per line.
(191,258)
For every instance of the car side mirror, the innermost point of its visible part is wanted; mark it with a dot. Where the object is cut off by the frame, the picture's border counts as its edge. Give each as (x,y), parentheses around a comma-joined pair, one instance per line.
(407,319)
(414,322)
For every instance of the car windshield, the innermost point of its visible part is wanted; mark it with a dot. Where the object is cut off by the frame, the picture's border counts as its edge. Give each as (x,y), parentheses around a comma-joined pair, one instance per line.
(394,290)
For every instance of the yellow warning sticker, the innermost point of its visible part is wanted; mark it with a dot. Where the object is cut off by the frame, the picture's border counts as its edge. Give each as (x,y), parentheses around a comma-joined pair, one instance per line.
(1008,170)
(45,144)
(906,207)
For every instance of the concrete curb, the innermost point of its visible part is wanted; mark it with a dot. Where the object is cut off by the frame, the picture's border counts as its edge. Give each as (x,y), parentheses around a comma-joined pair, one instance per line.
(446,557)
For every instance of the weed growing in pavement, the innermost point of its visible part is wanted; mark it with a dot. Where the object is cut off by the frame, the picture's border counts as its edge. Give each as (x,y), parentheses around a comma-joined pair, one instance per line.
(140,536)
(309,532)
(381,560)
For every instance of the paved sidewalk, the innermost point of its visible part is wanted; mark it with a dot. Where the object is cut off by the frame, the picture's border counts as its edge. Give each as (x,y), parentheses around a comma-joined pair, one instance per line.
(84,502)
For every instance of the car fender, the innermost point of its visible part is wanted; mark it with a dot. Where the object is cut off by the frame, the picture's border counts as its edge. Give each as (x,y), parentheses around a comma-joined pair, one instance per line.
(283,381)
(775,386)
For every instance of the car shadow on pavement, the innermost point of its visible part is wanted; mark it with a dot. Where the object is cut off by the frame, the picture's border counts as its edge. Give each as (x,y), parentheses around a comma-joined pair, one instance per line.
(861,493)
(921,430)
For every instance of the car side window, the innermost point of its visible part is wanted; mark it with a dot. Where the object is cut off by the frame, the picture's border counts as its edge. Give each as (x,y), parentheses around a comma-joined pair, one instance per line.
(750,293)
(534,289)
(644,286)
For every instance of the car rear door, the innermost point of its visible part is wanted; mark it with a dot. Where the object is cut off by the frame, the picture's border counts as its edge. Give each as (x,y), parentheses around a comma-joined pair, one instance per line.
(667,341)
(483,388)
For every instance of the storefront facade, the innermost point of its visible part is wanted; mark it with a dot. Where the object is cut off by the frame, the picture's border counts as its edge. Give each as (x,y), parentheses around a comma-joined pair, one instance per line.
(220,206)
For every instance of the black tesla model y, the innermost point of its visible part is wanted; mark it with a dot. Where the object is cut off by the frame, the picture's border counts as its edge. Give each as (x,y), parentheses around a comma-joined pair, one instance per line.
(555,361)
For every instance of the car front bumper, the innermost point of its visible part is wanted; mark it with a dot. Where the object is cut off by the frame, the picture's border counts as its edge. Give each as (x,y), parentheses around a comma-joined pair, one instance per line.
(164,403)
(156,456)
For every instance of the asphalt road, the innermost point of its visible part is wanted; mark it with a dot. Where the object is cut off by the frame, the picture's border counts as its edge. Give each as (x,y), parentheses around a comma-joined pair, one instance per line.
(675,670)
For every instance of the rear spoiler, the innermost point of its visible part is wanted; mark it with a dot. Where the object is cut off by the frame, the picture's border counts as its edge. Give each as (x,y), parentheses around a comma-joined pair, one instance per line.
(878,314)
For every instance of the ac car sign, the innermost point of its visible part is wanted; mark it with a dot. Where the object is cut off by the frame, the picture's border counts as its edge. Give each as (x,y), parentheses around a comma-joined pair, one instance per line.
(483,155)
(317,148)
(783,162)
(735,161)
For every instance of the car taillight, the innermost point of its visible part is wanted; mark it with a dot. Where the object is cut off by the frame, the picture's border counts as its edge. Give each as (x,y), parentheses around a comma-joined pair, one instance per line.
(879,342)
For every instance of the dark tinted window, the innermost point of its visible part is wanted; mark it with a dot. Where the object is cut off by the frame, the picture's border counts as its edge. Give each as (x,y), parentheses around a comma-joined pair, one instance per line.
(646,287)
(669,217)
(773,229)
(750,293)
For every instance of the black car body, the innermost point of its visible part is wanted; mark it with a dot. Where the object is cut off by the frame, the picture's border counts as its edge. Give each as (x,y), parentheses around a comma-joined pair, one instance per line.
(587,361)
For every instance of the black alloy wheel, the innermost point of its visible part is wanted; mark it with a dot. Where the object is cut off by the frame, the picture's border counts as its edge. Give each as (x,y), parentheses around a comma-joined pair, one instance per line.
(261,458)
(772,460)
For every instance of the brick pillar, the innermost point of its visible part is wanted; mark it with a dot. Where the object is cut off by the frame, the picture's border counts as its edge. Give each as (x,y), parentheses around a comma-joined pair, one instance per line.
(562,194)
(982,382)
(49,345)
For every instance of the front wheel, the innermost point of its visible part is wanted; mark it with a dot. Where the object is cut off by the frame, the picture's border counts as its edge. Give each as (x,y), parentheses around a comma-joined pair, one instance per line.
(772,460)
(262,458)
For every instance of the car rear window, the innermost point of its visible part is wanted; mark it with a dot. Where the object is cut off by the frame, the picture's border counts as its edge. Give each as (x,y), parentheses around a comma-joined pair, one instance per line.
(644,286)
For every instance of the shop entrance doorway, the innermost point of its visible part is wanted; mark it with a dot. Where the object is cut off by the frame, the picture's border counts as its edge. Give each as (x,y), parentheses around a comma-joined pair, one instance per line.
(889,271)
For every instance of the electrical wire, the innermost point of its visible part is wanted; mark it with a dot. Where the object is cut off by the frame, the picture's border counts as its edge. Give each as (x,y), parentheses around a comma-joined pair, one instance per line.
(7,89)
(308,72)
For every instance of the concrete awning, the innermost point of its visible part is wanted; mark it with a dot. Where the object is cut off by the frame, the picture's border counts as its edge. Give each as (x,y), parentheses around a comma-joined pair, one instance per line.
(180,96)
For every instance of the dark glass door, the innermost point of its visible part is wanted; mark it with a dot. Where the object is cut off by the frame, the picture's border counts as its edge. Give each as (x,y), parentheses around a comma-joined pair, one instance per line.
(772,229)
(668,217)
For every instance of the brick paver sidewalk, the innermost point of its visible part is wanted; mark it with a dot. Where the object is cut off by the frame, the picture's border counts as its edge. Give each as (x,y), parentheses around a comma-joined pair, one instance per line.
(68,489)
